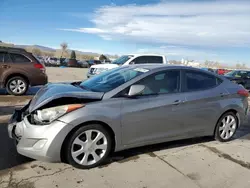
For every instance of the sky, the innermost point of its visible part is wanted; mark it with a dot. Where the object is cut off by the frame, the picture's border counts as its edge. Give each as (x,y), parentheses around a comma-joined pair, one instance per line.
(217,30)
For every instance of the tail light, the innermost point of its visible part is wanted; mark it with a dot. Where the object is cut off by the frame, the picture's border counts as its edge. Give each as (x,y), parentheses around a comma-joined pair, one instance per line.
(243,92)
(39,66)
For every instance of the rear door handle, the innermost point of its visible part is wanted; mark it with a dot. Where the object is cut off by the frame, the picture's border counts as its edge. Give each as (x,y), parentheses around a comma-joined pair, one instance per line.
(5,66)
(177,102)
(223,94)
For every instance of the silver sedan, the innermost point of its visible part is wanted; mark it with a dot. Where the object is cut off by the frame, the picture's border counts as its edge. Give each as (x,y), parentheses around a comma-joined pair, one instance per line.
(126,107)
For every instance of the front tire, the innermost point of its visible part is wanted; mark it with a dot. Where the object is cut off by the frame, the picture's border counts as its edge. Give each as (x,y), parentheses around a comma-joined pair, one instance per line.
(226,127)
(88,147)
(17,86)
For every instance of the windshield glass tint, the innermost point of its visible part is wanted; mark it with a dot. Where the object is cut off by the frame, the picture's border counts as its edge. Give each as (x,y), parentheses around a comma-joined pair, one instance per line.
(121,60)
(110,80)
(232,73)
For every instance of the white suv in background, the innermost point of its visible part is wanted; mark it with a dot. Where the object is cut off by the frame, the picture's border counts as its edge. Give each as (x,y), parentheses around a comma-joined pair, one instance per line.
(127,60)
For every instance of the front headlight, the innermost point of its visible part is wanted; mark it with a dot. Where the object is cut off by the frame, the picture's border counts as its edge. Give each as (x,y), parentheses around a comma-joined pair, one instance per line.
(50,114)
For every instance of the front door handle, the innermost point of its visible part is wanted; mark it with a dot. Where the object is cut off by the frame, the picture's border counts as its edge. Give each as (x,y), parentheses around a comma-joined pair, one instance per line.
(177,102)
(5,66)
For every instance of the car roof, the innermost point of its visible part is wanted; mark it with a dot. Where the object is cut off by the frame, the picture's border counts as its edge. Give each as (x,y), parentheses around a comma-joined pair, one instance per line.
(159,67)
(145,54)
(162,66)
(12,49)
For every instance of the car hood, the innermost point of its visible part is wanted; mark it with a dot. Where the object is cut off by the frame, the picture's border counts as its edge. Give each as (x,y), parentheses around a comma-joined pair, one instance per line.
(104,66)
(51,92)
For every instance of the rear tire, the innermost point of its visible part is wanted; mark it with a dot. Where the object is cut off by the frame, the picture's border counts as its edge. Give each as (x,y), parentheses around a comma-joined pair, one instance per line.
(88,147)
(226,127)
(17,86)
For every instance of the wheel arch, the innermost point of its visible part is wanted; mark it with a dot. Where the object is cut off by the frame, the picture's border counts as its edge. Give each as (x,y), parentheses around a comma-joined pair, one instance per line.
(105,125)
(229,110)
(14,75)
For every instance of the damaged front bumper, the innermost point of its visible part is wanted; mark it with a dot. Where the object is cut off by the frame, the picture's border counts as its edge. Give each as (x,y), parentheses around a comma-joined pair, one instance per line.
(36,141)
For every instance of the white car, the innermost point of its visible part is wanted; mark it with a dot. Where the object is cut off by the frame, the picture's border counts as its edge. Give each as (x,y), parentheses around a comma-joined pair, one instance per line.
(53,61)
(127,60)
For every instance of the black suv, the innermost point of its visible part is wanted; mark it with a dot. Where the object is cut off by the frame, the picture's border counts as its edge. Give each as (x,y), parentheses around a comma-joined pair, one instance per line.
(240,77)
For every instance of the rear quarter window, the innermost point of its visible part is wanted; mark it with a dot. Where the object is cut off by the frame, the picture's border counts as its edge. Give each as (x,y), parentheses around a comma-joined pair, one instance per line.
(195,81)
(148,59)
(19,58)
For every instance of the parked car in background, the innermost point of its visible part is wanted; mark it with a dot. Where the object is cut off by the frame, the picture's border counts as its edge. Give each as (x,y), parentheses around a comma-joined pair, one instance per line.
(53,61)
(72,63)
(82,64)
(19,69)
(127,60)
(40,59)
(127,107)
(208,69)
(222,71)
(240,77)
(94,62)
(106,61)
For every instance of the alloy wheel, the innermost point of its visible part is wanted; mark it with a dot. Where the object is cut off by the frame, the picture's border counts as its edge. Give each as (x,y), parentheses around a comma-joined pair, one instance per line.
(17,86)
(227,127)
(89,147)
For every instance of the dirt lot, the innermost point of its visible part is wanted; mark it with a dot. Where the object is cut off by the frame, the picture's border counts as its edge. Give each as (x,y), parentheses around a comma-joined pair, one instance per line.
(197,163)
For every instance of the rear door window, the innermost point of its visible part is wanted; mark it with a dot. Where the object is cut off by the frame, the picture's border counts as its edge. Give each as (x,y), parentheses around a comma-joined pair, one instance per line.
(18,58)
(4,57)
(148,59)
(195,81)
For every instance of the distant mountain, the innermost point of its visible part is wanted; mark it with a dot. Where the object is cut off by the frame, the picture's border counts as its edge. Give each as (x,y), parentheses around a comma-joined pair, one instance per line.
(43,48)
(48,49)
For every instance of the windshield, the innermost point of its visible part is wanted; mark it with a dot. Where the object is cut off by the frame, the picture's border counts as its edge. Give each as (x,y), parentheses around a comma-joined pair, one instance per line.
(111,79)
(232,73)
(121,60)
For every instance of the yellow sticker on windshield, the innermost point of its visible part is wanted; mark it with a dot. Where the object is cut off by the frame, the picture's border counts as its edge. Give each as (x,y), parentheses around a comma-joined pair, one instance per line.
(141,70)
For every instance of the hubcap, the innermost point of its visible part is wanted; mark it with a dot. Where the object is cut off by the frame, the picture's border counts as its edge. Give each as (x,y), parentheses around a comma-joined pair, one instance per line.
(17,86)
(228,127)
(89,147)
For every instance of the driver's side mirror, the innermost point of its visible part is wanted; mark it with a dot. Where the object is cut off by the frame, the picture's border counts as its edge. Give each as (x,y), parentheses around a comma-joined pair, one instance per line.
(135,90)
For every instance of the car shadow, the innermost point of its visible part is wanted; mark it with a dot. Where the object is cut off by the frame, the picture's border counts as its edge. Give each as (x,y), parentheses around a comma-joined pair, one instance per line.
(9,156)
(132,154)
(31,91)
(243,132)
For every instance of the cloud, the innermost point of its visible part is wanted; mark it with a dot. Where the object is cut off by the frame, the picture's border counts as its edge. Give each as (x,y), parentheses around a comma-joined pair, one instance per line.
(213,23)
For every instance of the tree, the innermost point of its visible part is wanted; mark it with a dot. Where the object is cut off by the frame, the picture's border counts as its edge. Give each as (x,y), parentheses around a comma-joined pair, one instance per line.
(103,58)
(36,51)
(73,55)
(64,47)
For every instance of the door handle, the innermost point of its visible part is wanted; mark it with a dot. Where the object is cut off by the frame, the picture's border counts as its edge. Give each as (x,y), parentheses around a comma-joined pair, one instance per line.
(223,94)
(5,66)
(177,102)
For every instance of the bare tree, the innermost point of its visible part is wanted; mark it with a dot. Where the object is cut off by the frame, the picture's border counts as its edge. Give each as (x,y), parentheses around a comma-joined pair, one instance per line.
(64,47)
